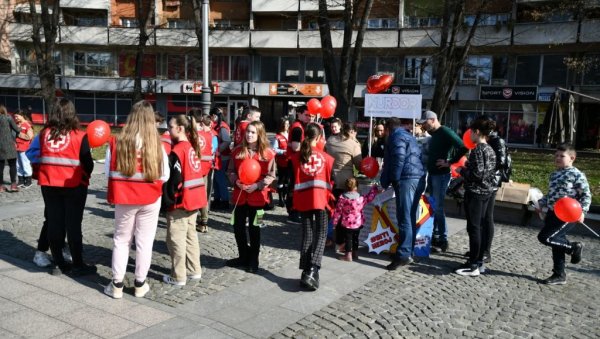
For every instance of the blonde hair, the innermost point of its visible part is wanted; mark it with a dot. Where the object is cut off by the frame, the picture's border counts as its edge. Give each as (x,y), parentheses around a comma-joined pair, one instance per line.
(351,184)
(262,142)
(140,125)
(3,110)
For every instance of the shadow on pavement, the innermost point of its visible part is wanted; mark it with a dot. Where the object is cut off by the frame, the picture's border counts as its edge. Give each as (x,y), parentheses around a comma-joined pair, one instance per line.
(285,284)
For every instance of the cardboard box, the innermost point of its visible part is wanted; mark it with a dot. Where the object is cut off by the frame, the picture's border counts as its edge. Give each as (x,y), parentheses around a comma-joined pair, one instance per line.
(513,192)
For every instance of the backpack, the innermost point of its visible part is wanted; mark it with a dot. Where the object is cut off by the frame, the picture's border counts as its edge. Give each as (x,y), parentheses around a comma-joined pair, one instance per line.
(503,160)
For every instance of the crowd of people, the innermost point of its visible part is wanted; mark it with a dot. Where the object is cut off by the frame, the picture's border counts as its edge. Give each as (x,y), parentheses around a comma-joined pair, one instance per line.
(179,170)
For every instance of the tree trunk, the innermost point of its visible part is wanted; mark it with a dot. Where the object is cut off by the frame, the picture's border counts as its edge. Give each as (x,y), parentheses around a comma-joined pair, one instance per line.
(144,12)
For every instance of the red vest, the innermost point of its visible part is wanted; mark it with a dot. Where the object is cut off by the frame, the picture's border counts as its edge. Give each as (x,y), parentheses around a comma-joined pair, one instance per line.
(134,190)
(59,160)
(22,144)
(282,159)
(296,124)
(165,138)
(256,198)
(226,152)
(192,195)
(312,187)
(240,133)
(206,156)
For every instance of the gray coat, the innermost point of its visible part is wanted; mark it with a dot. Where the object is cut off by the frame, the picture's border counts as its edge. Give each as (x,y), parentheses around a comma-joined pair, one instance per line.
(8,128)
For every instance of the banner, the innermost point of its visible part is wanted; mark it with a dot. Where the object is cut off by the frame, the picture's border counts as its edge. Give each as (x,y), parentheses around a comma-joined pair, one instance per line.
(407,106)
(296,89)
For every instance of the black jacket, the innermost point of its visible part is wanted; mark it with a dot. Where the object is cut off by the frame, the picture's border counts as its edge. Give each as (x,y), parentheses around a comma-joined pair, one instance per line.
(503,159)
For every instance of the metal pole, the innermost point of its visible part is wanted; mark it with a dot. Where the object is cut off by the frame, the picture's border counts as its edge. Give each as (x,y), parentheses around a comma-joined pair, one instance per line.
(206,88)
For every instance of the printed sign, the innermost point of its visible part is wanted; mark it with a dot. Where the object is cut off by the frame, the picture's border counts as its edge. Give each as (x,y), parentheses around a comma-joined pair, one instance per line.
(403,89)
(506,93)
(406,106)
(195,87)
(296,89)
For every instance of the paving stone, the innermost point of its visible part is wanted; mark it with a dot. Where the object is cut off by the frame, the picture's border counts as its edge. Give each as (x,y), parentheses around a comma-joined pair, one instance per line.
(41,326)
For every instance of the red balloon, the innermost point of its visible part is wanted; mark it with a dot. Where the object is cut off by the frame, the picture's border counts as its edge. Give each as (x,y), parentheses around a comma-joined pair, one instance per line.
(328,104)
(369,167)
(314,106)
(98,133)
(379,83)
(467,140)
(249,171)
(567,209)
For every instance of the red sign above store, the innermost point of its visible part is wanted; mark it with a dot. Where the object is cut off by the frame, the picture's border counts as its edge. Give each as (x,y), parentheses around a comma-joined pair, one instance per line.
(196,87)
(312,90)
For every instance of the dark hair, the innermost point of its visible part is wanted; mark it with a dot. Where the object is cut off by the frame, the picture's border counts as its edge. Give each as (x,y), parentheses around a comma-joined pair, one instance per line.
(336,121)
(311,133)
(301,109)
(205,120)
(63,119)
(196,112)
(351,184)
(188,122)
(24,114)
(249,110)
(484,125)
(567,147)
(158,118)
(219,113)
(346,128)
(281,125)
(393,123)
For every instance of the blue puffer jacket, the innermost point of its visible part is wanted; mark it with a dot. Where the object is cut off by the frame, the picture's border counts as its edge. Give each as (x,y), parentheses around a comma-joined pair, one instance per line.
(402,158)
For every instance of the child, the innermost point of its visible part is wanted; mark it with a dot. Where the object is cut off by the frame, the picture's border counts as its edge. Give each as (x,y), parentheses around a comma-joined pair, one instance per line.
(137,166)
(479,186)
(249,199)
(23,140)
(349,209)
(311,175)
(565,181)
(186,188)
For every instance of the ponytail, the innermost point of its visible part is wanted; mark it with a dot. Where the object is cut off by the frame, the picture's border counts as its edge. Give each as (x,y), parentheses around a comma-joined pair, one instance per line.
(192,134)
(313,131)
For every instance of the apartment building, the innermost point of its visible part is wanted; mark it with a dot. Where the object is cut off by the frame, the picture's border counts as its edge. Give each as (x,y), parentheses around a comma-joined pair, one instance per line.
(269,52)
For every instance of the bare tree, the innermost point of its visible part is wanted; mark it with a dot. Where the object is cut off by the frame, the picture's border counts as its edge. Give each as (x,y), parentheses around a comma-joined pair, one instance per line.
(341,78)
(144,12)
(43,36)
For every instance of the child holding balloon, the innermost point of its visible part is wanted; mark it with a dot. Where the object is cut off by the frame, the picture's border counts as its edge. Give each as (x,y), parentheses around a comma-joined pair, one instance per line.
(566,181)
(251,172)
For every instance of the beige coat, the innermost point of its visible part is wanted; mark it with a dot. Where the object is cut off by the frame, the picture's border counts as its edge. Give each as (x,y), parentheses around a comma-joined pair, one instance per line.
(346,155)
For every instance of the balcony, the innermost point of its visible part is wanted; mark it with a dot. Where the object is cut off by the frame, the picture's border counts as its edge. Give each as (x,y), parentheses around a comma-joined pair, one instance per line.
(312,39)
(590,31)
(313,6)
(274,39)
(86,4)
(381,39)
(125,36)
(20,32)
(487,36)
(229,39)
(420,38)
(274,6)
(545,33)
(84,35)
(176,37)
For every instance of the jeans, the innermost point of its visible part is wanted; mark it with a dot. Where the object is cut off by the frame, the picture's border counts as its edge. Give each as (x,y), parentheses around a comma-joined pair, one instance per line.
(220,184)
(554,234)
(405,191)
(23,165)
(439,185)
(414,210)
(476,209)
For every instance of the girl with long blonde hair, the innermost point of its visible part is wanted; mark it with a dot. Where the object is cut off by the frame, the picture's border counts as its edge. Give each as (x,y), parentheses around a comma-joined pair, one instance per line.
(137,166)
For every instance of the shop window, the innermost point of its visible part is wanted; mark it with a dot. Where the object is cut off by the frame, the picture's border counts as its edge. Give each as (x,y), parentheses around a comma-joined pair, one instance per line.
(269,68)
(388,65)
(290,69)
(240,68)
(554,71)
(521,129)
(93,64)
(176,67)
(591,75)
(477,70)
(219,68)
(194,67)
(366,68)
(528,70)
(314,70)
(418,71)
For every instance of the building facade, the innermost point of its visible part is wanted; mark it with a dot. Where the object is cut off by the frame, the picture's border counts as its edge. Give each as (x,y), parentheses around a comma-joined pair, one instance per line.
(269,53)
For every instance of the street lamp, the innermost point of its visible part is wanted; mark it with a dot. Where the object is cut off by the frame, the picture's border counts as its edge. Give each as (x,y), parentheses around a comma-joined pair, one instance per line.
(206,90)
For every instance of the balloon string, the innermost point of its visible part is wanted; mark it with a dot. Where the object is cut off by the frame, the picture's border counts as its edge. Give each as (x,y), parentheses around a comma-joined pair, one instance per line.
(591,230)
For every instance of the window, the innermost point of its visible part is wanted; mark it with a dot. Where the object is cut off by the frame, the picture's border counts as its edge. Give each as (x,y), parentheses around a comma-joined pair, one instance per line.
(477,70)
(219,67)
(127,65)
(26,62)
(314,71)
(269,68)
(418,71)
(382,23)
(129,22)
(81,17)
(528,70)
(591,75)
(388,65)
(176,67)
(554,71)
(93,64)
(240,68)
(416,22)
(181,24)
(290,69)
(194,68)
(500,70)
(488,19)
(366,68)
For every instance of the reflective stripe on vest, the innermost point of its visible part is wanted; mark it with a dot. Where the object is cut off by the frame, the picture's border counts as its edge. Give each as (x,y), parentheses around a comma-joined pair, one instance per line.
(193,183)
(312,183)
(206,158)
(118,175)
(59,161)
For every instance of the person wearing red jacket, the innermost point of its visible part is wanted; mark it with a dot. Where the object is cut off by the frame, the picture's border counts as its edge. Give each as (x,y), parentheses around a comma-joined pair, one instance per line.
(250,199)
(137,167)
(208,145)
(66,165)
(312,178)
(185,194)
(279,145)
(23,140)
(250,114)
(296,136)
(223,132)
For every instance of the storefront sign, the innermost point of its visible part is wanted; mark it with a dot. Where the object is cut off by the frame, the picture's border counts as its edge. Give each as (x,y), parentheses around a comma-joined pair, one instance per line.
(403,89)
(545,97)
(504,93)
(312,90)
(406,106)
(196,87)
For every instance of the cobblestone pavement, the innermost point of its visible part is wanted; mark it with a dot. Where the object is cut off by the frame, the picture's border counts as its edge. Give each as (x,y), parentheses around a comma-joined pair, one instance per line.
(428,300)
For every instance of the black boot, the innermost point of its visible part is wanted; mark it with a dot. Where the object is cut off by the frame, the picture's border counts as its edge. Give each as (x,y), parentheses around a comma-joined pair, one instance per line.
(21,181)
(27,183)
(311,279)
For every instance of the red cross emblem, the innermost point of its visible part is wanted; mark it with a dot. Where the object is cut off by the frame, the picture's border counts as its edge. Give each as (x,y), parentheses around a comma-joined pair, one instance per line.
(201,142)
(59,144)
(193,160)
(314,166)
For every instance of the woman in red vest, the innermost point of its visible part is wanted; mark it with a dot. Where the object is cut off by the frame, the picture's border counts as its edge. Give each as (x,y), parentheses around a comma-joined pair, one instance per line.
(138,166)
(250,199)
(187,192)
(312,170)
(65,167)
(208,145)
(280,147)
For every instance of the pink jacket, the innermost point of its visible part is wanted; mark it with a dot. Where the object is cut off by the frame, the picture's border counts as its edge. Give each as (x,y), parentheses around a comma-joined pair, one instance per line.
(350,207)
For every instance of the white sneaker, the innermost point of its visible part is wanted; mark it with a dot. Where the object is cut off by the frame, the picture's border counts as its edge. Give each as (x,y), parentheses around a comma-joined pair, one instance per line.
(470,272)
(42,259)
(195,277)
(67,254)
(167,279)
(113,291)
(140,292)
